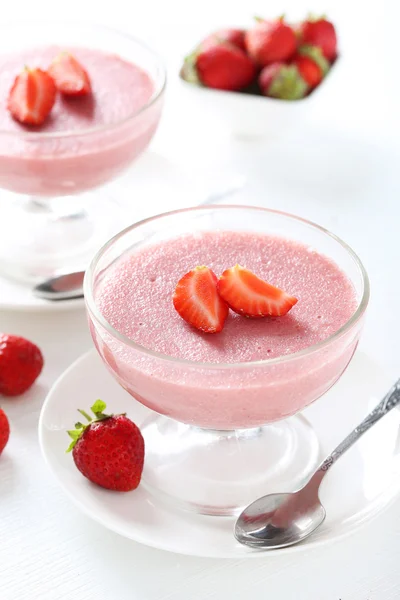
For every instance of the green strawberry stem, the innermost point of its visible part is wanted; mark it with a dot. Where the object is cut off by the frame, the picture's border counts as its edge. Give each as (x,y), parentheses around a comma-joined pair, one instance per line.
(97,409)
(260,19)
(188,71)
(288,84)
(84,414)
(313,17)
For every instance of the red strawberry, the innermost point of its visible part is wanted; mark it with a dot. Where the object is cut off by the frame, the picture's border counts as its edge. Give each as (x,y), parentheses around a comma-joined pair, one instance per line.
(32,96)
(220,66)
(21,362)
(270,41)
(70,77)
(109,450)
(197,301)
(4,430)
(232,36)
(312,64)
(320,32)
(279,80)
(309,70)
(251,296)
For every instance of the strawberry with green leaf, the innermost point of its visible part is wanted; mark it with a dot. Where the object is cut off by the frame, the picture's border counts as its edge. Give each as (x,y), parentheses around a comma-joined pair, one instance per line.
(222,66)
(108,449)
(282,81)
(312,64)
(318,31)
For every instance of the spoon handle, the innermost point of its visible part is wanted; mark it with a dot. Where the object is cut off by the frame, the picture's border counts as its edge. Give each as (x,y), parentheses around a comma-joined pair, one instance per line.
(391,400)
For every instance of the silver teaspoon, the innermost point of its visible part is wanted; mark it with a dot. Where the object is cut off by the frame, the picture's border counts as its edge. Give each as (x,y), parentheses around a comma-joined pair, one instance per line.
(279,520)
(66,286)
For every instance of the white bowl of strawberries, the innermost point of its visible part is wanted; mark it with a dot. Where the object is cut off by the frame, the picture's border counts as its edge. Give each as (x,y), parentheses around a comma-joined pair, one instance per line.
(262,78)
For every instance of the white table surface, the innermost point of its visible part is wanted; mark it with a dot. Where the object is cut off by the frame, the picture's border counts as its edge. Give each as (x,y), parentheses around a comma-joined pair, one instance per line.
(339,169)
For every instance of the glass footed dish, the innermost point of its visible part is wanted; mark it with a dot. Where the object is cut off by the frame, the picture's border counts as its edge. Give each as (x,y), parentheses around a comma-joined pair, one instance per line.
(224,434)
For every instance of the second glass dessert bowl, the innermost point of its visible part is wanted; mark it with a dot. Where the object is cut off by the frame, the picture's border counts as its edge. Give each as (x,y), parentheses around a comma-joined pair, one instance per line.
(52,217)
(223,434)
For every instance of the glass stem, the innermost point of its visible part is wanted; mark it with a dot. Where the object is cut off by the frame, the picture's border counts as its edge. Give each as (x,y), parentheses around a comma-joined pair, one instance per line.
(37,204)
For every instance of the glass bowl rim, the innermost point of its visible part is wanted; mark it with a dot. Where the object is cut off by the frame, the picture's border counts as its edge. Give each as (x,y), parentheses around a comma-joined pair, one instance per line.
(95,313)
(46,135)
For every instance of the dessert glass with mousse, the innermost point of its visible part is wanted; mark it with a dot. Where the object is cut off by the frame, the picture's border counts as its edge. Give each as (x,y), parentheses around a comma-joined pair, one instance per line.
(52,216)
(225,428)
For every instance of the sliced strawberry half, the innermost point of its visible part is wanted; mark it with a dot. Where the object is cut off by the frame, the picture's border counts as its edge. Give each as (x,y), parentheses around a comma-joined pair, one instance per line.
(248,295)
(32,96)
(69,76)
(197,301)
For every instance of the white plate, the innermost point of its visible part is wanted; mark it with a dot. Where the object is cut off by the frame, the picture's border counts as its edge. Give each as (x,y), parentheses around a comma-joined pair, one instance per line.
(16,296)
(138,194)
(360,487)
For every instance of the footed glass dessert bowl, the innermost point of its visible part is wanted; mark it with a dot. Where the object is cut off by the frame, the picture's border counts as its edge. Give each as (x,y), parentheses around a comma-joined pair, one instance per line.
(52,215)
(226,428)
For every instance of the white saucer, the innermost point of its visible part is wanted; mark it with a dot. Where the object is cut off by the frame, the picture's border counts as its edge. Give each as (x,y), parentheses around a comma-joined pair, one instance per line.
(16,296)
(360,487)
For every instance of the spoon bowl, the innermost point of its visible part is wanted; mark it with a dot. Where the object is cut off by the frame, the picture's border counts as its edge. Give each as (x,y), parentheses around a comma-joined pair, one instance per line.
(264,523)
(280,520)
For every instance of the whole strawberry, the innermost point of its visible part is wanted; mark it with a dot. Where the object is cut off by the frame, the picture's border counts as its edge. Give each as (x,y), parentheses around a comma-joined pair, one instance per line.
(221,66)
(270,41)
(232,36)
(21,362)
(319,32)
(312,64)
(282,81)
(108,450)
(4,430)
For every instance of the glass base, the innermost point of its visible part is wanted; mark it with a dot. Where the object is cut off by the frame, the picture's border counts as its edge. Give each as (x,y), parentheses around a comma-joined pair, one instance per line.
(42,237)
(220,472)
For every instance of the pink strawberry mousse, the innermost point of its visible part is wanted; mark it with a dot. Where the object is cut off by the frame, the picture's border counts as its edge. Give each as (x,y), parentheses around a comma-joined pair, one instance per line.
(135,297)
(58,164)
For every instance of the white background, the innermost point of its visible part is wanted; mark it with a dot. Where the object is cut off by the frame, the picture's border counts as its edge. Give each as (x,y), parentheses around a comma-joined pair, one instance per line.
(339,169)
